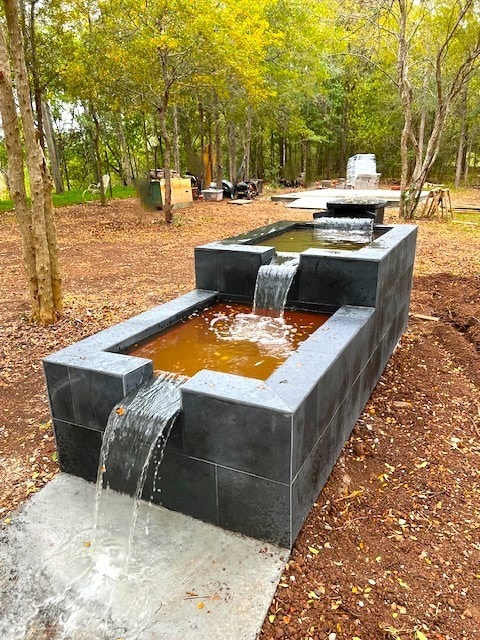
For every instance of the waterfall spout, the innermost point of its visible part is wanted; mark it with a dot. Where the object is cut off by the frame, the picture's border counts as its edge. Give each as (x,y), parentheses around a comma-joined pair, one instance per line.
(364,225)
(271,289)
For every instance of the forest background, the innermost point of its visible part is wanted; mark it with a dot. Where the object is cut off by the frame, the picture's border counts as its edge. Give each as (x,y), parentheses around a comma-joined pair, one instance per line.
(275,87)
(269,89)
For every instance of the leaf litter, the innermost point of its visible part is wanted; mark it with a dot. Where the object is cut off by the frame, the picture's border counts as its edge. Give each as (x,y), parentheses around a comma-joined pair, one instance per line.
(391,548)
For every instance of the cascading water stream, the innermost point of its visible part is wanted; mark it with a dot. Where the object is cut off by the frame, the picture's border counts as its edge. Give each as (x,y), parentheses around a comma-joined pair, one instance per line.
(136,430)
(100,592)
(344,224)
(271,288)
(337,229)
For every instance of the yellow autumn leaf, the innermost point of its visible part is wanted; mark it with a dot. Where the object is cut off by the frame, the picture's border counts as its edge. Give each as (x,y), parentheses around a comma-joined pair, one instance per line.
(313,595)
(420,636)
(313,550)
(271,618)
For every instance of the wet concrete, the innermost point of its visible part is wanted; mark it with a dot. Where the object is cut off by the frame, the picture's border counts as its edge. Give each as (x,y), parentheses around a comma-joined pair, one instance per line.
(186,579)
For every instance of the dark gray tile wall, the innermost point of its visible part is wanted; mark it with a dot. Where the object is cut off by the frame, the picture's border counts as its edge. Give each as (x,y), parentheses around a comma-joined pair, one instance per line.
(184,484)
(78,449)
(255,506)
(231,269)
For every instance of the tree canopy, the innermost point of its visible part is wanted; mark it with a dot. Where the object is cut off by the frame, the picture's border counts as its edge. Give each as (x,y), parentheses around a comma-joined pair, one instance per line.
(275,87)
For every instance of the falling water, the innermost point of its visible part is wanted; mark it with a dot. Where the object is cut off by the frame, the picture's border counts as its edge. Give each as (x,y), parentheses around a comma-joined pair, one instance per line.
(271,288)
(355,230)
(136,430)
(101,593)
(364,225)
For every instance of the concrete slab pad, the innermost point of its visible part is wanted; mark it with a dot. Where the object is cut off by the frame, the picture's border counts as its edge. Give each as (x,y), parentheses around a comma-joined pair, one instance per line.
(318,198)
(185,579)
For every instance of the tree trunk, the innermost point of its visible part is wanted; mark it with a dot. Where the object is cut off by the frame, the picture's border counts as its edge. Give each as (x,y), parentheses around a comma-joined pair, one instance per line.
(52,148)
(468,153)
(96,151)
(201,117)
(126,164)
(248,144)
(16,182)
(232,152)
(462,141)
(218,151)
(167,205)
(37,90)
(43,226)
(176,141)
(145,143)
(282,155)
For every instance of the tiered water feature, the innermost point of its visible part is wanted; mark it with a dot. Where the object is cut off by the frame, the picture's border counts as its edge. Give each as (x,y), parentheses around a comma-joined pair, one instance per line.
(246,452)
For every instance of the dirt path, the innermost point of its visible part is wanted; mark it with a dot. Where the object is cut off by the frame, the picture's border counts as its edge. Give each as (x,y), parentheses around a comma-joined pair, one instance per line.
(392,547)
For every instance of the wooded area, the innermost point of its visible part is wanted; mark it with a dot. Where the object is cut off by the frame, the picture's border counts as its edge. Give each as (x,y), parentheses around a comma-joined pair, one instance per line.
(278,87)
(273,88)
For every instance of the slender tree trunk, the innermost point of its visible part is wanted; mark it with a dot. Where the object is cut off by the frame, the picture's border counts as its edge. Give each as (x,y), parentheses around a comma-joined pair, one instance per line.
(282,154)
(260,168)
(344,131)
(126,165)
(176,141)
(167,205)
(446,93)
(16,182)
(462,141)
(467,161)
(63,160)
(145,142)
(218,150)
(201,117)
(37,90)
(232,152)
(96,151)
(43,226)
(248,144)
(163,112)
(52,148)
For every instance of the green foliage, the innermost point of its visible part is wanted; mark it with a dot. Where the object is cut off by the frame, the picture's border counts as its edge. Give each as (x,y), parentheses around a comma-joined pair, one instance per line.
(316,79)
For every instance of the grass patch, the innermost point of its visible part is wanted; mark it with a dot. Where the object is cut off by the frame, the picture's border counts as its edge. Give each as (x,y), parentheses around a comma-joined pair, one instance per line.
(75,196)
(466,215)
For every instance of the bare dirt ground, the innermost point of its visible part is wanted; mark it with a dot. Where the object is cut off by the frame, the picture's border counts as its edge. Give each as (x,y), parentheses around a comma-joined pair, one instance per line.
(391,549)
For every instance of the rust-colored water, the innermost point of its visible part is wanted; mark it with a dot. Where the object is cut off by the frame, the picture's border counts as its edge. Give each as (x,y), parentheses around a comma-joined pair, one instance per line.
(227,337)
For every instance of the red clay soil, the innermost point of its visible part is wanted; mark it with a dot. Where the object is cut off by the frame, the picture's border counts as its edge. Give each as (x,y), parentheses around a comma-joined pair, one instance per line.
(391,549)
